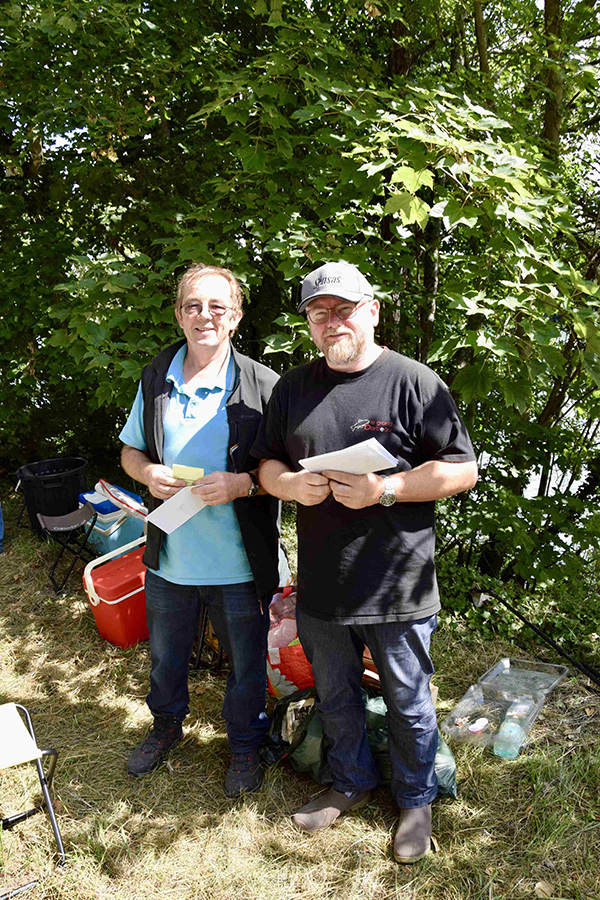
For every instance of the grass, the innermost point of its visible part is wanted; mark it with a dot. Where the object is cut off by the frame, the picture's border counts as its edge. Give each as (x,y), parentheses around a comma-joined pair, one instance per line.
(516,825)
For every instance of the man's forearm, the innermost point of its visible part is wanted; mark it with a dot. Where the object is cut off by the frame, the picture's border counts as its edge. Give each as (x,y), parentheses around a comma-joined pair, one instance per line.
(272,476)
(136,464)
(434,480)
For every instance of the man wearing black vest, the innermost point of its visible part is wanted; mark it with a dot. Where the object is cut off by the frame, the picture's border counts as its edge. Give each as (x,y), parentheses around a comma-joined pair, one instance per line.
(366,573)
(200,404)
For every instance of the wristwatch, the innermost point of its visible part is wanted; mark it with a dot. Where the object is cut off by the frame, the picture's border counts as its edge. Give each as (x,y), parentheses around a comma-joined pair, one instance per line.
(388,497)
(253,489)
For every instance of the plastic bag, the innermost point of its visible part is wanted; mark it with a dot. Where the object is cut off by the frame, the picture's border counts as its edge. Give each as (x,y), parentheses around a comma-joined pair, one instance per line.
(377,735)
(445,769)
(288,669)
(307,749)
(290,722)
(310,756)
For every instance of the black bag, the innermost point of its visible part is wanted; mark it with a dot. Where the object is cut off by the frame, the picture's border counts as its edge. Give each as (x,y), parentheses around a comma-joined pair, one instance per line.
(290,722)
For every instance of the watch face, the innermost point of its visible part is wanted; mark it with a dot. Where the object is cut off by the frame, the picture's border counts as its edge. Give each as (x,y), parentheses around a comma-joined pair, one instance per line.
(253,489)
(388,498)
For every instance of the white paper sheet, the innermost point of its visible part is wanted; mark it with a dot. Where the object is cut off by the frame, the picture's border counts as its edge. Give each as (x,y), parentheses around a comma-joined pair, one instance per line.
(176,510)
(360,459)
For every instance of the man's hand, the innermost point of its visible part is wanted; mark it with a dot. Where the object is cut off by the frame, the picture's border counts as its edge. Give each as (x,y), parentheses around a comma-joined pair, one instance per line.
(355,491)
(222,487)
(161,482)
(307,488)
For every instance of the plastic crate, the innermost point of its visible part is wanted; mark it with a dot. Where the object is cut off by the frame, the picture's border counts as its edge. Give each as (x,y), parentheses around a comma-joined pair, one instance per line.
(518,676)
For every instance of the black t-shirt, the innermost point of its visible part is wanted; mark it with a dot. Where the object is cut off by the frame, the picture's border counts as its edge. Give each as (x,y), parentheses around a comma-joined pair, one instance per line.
(373,564)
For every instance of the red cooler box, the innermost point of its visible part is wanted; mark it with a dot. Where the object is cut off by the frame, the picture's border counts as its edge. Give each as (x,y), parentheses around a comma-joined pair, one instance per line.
(115,589)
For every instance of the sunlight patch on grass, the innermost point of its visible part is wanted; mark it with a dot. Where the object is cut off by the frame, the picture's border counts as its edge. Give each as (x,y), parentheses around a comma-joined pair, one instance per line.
(175,835)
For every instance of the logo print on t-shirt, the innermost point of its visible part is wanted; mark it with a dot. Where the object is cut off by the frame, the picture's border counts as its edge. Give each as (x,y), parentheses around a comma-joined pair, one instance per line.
(371,425)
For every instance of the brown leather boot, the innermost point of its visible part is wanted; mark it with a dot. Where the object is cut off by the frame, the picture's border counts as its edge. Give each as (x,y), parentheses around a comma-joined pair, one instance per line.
(326,808)
(413,838)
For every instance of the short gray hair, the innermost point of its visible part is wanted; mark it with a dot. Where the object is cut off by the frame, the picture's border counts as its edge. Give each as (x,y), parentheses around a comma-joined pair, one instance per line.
(199,270)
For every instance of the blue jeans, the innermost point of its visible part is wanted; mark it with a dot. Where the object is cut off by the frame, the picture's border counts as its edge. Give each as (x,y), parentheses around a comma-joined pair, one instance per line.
(400,651)
(173,612)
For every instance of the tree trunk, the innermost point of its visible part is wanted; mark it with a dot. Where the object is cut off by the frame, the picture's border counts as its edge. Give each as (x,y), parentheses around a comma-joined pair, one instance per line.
(554,77)
(484,65)
(431,280)
(545,479)
(456,44)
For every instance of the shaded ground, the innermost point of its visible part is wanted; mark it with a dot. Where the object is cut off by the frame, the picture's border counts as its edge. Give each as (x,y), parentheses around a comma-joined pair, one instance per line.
(516,826)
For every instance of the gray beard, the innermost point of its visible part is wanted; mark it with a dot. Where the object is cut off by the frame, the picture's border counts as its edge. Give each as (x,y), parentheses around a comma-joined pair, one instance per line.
(345,351)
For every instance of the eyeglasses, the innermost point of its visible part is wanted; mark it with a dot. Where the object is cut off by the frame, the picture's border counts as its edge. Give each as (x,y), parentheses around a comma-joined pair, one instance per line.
(214,310)
(344,311)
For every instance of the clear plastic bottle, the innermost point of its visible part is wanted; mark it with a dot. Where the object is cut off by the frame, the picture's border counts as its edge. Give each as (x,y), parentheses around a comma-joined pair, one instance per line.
(512,733)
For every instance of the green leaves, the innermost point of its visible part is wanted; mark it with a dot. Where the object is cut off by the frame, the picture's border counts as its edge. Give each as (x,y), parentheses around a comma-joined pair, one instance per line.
(66,23)
(474,382)
(296,335)
(591,364)
(455,214)
(411,179)
(411,208)
(270,138)
(280,343)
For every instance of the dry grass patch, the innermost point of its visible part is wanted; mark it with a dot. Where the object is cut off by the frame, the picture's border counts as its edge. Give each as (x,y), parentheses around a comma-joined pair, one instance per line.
(175,835)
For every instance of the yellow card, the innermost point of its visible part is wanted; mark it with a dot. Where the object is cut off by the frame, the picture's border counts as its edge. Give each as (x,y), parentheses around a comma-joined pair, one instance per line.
(189,474)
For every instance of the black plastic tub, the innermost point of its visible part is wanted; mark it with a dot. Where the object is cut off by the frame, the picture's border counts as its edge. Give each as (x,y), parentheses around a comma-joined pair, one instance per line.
(52,487)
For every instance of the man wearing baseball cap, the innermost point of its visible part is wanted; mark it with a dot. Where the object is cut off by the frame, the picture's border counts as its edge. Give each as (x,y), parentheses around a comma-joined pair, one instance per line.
(366,574)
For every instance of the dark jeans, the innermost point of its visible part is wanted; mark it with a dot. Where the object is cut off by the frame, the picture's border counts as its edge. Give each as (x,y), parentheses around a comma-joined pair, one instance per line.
(400,651)
(173,611)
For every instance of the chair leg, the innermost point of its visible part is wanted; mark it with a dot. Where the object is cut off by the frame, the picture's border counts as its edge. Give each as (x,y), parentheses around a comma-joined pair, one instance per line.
(58,587)
(77,552)
(10,821)
(19,890)
(197,662)
(45,783)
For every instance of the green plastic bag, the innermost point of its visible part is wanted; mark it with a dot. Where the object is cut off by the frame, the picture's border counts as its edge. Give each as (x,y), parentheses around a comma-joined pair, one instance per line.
(310,756)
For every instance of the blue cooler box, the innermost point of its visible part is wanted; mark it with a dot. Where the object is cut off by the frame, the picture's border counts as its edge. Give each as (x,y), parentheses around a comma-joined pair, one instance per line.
(114,528)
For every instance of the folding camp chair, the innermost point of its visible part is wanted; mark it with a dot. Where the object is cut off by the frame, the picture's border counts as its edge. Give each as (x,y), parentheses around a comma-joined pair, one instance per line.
(18,745)
(71,532)
(201,643)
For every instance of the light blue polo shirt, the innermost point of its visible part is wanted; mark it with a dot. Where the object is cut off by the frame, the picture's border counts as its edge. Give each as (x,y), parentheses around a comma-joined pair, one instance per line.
(208,548)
